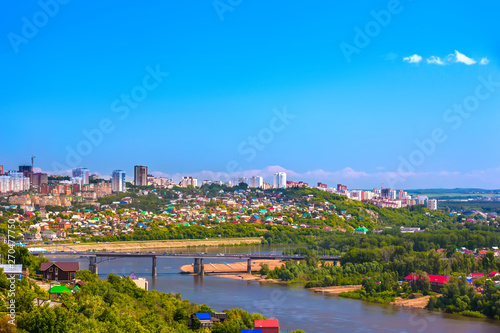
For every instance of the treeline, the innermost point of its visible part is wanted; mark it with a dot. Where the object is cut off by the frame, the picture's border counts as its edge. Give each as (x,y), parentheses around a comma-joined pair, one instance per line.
(357,264)
(269,234)
(459,297)
(419,241)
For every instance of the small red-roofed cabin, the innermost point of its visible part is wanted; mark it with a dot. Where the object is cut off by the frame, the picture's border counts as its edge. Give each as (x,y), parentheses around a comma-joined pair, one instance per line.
(493,274)
(475,276)
(267,326)
(436,281)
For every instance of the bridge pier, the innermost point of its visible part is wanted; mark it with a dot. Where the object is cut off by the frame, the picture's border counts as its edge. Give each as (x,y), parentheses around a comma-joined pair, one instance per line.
(93,265)
(196,267)
(154,267)
(202,267)
(249,266)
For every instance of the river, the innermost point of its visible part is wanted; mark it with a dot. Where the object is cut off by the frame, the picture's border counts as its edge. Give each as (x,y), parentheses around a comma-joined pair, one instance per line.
(294,307)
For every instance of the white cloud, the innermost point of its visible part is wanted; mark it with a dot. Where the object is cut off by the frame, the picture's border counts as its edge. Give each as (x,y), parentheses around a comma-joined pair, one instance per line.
(456,57)
(460,57)
(484,61)
(414,59)
(435,60)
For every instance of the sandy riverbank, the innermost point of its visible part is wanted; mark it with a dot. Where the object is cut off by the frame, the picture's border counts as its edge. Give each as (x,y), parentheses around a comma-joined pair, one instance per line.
(141,245)
(334,290)
(229,270)
(247,277)
(416,303)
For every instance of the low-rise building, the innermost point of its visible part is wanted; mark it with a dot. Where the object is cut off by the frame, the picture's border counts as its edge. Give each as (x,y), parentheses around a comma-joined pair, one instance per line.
(59,271)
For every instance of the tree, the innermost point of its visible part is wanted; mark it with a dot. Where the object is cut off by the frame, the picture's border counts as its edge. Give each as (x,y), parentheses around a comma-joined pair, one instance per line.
(264,269)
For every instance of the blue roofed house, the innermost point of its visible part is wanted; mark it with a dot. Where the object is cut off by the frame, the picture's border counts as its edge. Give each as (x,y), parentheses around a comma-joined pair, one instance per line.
(254,219)
(203,319)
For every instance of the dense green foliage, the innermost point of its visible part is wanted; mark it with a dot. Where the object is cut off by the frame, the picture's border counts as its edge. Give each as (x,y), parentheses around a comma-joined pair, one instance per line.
(115,305)
(459,297)
(21,256)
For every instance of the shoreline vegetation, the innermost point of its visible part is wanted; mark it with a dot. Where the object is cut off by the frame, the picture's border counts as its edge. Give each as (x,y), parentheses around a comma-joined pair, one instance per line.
(148,244)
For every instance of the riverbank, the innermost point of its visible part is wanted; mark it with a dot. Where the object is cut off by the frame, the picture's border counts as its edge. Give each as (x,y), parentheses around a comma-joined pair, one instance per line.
(142,245)
(415,303)
(230,270)
(334,290)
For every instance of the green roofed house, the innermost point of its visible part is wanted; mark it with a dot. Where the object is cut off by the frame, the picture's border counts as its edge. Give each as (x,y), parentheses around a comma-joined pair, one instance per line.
(361,231)
(56,291)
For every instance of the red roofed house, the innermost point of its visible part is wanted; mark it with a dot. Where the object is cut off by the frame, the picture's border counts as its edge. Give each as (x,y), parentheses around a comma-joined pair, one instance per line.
(475,276)
(436,281)
(267,326)
(59,271)
(481,254)
(493,274)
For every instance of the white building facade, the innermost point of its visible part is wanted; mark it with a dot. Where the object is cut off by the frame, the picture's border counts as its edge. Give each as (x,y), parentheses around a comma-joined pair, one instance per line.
(118,182)
(280,180)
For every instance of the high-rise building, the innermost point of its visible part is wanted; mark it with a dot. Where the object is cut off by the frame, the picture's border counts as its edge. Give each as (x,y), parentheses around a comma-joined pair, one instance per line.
(140,175)
(238,180)
(27,171)
(81,176)
(386,193)
(118,182)
(280,180)
(25,168)
(256,182)
(39,179)
(1,170)
(322,186)
(432,204)
(18,182)
(4,184)
(188,181)
(341,188)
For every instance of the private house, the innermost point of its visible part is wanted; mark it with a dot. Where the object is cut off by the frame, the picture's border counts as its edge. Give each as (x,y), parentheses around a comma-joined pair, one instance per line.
(254,219)
(16,270)
(140,282)
(64,224)
(59,271)
(206,319)
(61,234)
(493,274)
(476,276)
(361,231)
(267,326)
(49,234)
(32,236)
(436,281)
(56,291)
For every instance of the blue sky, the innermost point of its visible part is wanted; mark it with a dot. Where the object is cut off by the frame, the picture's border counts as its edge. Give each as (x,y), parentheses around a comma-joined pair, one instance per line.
(232,67)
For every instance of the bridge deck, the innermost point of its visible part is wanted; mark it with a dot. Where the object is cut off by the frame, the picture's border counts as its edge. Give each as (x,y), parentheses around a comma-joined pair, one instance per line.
(185,255)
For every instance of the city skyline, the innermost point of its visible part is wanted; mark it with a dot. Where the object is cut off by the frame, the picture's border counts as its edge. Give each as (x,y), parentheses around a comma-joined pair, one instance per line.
(356,93)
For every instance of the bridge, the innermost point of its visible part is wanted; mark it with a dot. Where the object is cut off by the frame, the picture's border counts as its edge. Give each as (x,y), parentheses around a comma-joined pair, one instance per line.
(199,265)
